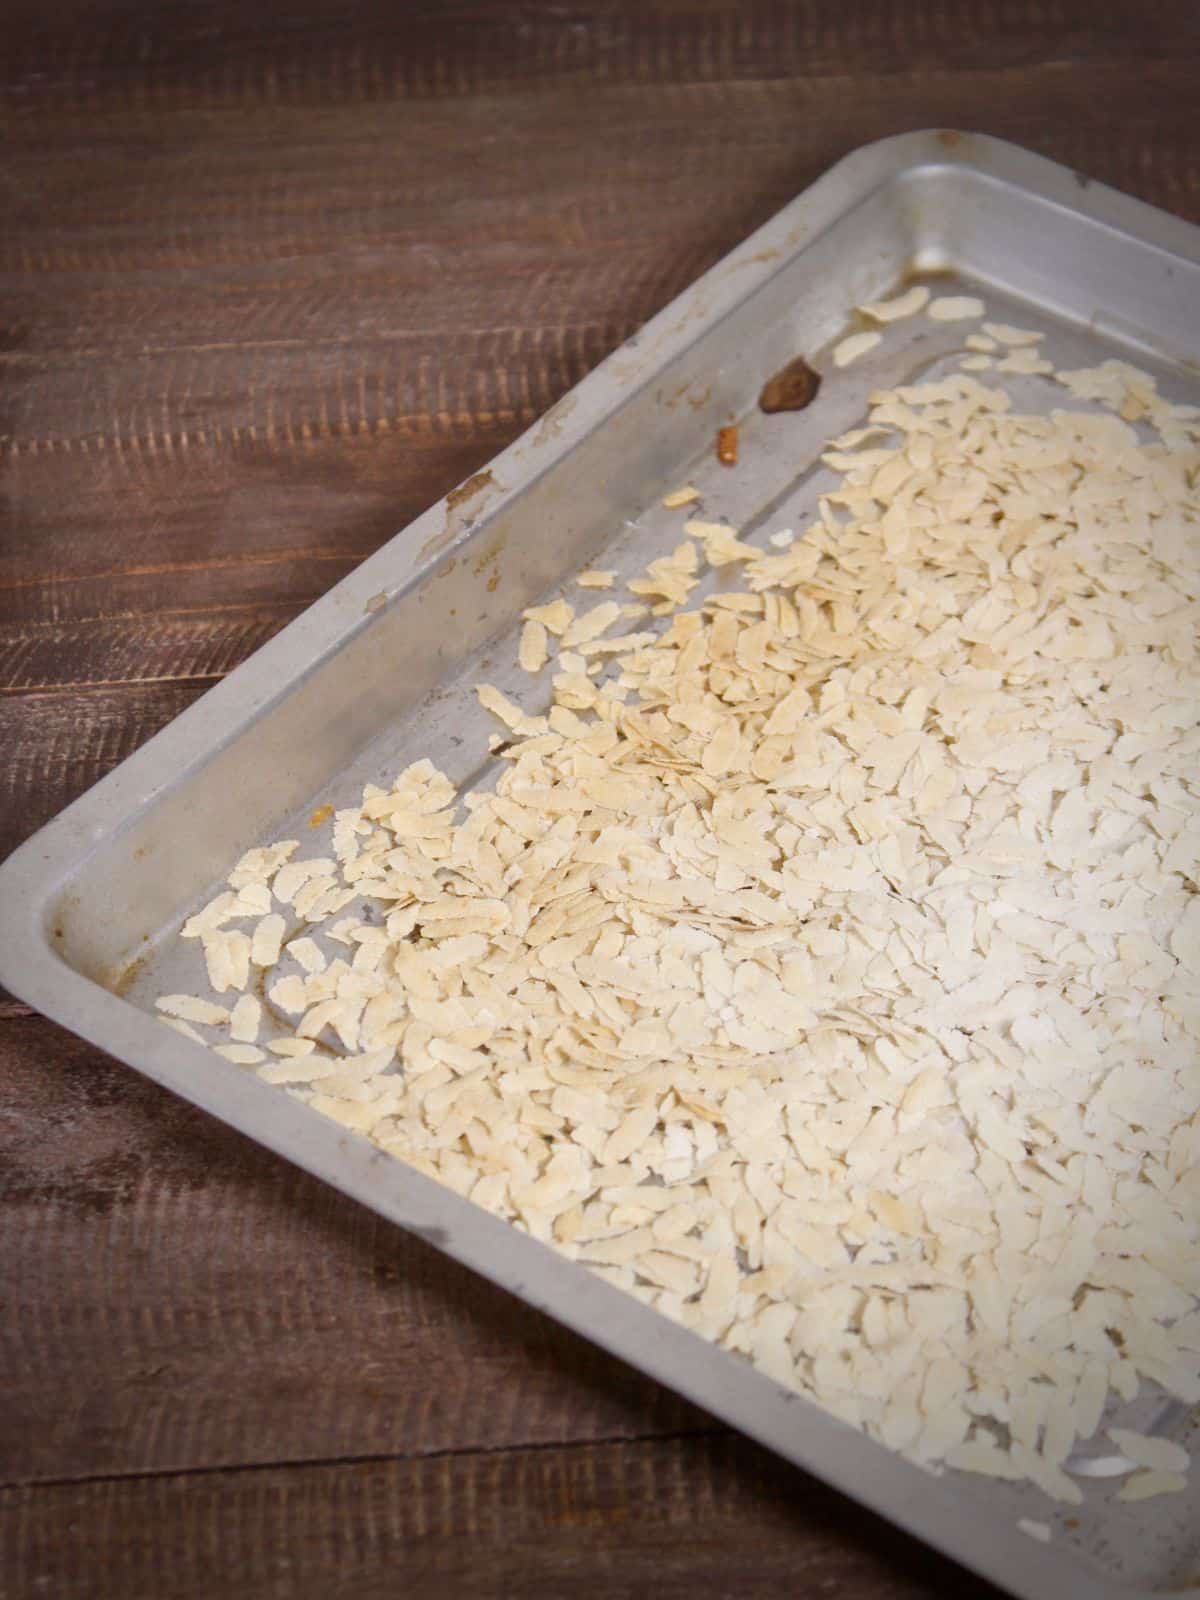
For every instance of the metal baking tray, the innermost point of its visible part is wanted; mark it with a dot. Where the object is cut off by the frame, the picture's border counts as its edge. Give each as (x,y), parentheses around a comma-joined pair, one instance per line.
(379,671)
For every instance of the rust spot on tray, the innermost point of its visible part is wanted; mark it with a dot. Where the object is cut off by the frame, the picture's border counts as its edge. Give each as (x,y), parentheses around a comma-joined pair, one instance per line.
(791,389)
(758,259)
(457,518)
(320,815)
(687,393)
(485,557)
(121,981)
(468,489)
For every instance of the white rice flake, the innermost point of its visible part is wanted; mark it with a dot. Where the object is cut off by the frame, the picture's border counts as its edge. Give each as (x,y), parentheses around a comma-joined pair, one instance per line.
(1146,1485)
(185,1028)
(532,654)
(901,305)
(857,344)
(1034,1529)
(680,497)
(1160,1455)
(266,940)
(242,1055)
(191,1009)
(955,308)
(244,1019)
(1005,333)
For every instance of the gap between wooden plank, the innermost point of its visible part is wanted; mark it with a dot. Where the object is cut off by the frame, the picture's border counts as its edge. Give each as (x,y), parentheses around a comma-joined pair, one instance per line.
(287,1464)
(675,1518)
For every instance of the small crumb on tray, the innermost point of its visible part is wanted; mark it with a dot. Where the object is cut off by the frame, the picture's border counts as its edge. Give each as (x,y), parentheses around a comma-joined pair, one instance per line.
(791,389)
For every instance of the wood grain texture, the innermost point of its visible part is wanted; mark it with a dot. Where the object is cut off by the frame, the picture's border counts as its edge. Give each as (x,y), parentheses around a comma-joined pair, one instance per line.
(177,1298)
(674,1518)
(270,283)
(228,55)
(57,744)
(163,647)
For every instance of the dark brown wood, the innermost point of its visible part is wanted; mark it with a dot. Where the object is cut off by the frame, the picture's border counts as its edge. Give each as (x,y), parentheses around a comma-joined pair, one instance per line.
(674,1518)
(178,1298)
(57,743)
(270,282)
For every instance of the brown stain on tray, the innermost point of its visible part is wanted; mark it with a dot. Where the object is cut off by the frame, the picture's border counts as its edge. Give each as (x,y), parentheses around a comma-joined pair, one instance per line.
(478,483)
(122,979)
(551,424)
(468,489)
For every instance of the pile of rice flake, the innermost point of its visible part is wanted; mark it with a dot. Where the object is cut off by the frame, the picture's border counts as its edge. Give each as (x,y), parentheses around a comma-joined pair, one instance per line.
(822,969)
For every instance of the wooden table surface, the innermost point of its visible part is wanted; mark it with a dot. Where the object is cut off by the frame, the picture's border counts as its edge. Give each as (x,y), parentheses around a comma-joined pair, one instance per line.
(269,288)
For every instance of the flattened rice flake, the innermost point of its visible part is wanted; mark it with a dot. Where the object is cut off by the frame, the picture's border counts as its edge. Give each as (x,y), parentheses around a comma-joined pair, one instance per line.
(850,349)
(955,308)
(900,306)
(680,497)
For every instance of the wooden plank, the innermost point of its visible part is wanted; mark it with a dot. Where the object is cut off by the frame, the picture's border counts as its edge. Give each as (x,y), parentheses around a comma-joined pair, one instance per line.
(176,1297)
(673,1518)
(312,381)
(502,242)
(232,55)
(160,647)
(137,533)
(56,745)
